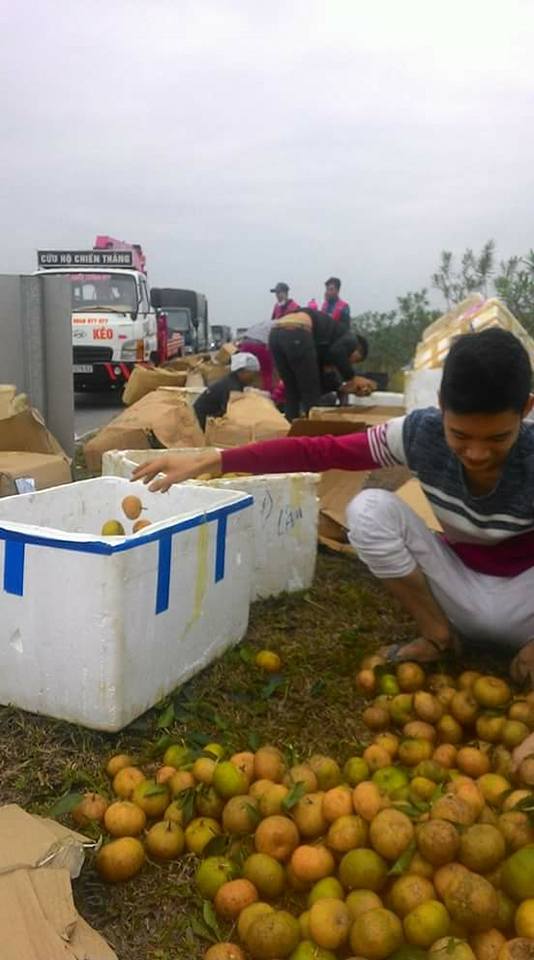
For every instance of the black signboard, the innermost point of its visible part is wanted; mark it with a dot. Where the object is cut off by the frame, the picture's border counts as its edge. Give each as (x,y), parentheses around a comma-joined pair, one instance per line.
(54,259)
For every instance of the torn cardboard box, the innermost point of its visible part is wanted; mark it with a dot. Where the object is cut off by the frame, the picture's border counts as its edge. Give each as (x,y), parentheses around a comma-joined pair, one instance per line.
(39,921)
(225,353)
(30,457)
(250,416)
(338,487)
(28,841)
(161,418)
(27,472)
(371,414)
(145,379)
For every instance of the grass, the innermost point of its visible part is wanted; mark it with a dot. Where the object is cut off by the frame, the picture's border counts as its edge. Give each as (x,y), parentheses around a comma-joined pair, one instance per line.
(310,707)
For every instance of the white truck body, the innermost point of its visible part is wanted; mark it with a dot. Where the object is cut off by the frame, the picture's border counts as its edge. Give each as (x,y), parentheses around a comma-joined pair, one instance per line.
(114,327)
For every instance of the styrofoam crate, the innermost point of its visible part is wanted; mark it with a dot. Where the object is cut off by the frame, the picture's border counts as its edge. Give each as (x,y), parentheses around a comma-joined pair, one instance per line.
(285,516)
(379,398)
(95,630)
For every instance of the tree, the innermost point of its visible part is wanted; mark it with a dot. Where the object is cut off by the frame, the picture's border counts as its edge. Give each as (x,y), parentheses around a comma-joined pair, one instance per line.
(474,274)
(515,286)
(393,336)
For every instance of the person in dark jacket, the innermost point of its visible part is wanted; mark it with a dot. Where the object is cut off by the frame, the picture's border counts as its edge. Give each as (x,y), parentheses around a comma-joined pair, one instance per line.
(244,368)
(309,348)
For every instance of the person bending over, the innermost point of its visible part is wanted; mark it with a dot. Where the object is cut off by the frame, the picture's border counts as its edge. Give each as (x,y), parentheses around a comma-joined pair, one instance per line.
(244,368)
(306,345)
(474,458)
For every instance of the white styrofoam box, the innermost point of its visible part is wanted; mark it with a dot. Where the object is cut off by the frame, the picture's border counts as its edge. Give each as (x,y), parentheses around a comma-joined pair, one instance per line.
(285,515)
(421,388)
(95,630)
(380,398)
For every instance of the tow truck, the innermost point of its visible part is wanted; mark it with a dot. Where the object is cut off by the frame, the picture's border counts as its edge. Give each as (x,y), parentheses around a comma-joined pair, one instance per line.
(114,326)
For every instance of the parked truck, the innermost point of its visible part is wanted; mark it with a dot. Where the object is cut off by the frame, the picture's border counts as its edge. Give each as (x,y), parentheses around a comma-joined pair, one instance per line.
(114,325)
(186,313)
(219,334)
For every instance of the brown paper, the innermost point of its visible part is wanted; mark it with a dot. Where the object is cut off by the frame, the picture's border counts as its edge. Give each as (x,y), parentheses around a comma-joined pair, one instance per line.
(336,489)
(38,918)
(210,371)
(250,416)
(40,922)
(46,470)
(302,427)
(225,353)
(412,494)
(27,431)
(28,841)
(370,414)
(145,379)
(162,413)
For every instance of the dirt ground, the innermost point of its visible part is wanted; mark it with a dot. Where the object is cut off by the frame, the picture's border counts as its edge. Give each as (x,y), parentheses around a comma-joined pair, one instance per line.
(310,707)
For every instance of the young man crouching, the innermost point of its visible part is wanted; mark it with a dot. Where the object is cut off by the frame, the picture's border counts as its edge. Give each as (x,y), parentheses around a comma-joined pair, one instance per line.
(474,459)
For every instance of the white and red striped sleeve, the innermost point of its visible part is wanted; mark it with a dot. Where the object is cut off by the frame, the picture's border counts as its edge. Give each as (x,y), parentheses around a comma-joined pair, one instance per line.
(386,443)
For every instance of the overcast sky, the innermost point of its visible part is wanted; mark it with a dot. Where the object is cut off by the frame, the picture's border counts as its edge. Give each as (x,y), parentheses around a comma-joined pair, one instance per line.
(243,142)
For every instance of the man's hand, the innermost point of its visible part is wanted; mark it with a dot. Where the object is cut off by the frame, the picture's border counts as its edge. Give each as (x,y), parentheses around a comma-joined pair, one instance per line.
(176,468)
(361,386)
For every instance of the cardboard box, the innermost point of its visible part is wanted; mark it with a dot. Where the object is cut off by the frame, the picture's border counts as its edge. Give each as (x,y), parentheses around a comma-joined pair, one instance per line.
(225,353)
(26,472)
(371,414)
(250,416)
(27,431)
(302,427)
(162,414)
(38,858)
(145,379)
(30,457)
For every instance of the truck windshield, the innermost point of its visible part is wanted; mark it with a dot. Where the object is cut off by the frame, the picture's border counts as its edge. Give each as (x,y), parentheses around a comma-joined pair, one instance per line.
(178,318)
(102,291)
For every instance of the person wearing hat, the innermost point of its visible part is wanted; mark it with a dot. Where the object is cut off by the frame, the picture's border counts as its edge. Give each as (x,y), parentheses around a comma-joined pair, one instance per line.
(314,354)
(283,304)
(244,368)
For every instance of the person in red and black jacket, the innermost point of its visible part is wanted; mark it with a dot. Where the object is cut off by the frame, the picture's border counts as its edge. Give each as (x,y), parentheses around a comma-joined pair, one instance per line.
(283,303)
(311,352)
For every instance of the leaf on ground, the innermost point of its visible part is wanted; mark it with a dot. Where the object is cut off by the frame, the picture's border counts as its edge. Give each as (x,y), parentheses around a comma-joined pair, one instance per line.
(246,654)
(272,685)
(253,813)
(186,801)
(297,792)
(253,741)
(157,790)
(317,688)
(208,915)
(401,865)
(196,739)
(65,804)
(216,847)
(200,929)
(161,745)
(166,719)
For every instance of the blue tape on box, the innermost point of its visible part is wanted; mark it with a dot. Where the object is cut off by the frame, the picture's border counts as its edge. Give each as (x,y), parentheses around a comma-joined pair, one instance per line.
(16,542)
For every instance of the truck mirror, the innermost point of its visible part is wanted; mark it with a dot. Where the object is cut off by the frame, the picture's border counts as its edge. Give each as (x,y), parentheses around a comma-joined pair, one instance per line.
(195,321)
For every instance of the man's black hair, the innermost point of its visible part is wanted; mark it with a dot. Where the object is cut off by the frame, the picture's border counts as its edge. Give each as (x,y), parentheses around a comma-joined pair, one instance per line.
(486,372)
(335,280)
(362,346)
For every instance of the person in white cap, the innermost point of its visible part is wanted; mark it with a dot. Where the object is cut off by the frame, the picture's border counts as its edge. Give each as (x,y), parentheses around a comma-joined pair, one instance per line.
(244,368)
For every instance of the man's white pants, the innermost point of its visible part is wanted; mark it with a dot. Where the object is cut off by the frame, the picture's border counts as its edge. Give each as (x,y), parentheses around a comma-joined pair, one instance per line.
(392,541)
